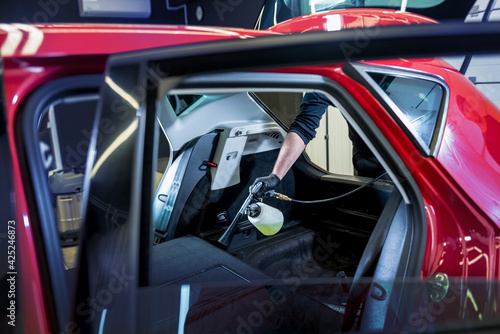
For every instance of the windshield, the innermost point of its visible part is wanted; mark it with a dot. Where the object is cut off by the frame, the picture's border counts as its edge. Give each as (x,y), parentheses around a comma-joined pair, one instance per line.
(276,11)
(313,6)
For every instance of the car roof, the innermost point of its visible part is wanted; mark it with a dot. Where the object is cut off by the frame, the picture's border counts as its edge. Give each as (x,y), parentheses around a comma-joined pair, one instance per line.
(349,19)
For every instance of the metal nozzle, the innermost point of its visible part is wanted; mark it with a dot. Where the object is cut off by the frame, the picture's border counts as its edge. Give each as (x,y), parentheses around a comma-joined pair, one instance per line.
(281,197)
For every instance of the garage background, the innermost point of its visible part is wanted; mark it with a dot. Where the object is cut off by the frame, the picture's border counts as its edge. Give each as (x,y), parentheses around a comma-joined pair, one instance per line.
(228,13)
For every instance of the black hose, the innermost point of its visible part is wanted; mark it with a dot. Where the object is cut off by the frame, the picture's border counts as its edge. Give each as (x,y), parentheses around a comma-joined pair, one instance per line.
(285,198)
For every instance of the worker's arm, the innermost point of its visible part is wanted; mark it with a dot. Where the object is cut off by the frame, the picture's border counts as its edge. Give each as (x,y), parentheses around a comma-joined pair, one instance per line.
(302,130)
(292,148)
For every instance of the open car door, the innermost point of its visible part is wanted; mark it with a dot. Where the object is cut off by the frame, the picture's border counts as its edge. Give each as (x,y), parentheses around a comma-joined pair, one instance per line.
(151,260)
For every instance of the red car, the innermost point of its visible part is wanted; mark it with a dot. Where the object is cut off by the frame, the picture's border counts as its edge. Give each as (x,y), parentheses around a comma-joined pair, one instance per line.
(131,149)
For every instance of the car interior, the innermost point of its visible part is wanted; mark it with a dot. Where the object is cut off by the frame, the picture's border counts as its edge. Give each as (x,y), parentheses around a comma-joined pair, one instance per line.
(209,197)
(204,183)
(203,172)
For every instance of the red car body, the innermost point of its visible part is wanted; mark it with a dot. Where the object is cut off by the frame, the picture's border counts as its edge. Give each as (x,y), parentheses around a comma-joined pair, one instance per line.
(459,186)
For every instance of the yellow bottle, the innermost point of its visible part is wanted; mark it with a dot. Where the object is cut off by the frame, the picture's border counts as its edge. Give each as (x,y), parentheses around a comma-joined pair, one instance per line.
(265,218)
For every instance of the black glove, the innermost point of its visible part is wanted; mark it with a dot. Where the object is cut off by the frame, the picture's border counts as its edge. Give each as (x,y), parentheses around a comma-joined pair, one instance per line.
(269,183)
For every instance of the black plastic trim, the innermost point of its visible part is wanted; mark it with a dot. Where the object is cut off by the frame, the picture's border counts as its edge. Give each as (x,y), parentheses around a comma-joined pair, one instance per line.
(319,47)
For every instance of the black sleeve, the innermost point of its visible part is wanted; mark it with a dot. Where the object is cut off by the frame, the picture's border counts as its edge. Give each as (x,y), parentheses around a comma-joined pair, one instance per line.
(312,108)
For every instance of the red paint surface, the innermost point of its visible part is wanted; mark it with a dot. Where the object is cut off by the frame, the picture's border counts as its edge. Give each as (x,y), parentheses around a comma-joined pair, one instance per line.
(348,19)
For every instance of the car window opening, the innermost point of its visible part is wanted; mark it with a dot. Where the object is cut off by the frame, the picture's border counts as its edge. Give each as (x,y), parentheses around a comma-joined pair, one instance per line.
(194,203)
(204,203)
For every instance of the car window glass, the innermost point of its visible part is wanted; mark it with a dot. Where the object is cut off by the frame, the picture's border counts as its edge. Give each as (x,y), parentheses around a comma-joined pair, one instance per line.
(322,5)
(210,145)
(419,101)
(217,151)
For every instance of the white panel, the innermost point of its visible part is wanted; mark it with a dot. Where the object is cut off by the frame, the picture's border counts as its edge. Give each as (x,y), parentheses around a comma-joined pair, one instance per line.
(316,149)
(484,68)
(222,113)
(476,17)
(263,142)
(480,6)
(227,172)
(492,91)
(455,61)
(495,15)
(477,11)
(238,139)
(115,8)
(485,60)
(340,144)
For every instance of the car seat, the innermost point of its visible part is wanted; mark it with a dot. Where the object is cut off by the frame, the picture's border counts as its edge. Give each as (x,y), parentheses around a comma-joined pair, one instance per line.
(184,188)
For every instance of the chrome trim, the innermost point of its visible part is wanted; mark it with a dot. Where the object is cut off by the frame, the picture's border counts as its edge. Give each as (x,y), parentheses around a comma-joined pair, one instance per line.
(433,148)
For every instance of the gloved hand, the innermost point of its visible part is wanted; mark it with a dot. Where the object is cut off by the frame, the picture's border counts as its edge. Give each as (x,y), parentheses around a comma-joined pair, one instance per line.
(269,183)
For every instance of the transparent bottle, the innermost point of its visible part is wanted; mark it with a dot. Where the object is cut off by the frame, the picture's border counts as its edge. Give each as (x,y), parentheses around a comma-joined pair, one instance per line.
(265,218)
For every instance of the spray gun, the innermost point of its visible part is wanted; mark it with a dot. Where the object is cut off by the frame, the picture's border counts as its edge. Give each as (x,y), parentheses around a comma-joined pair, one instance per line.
(228,235)
(269,220)
(265,218)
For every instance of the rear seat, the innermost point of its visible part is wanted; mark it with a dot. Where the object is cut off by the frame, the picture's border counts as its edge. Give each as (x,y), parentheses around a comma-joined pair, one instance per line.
(232,292)
(189,260)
